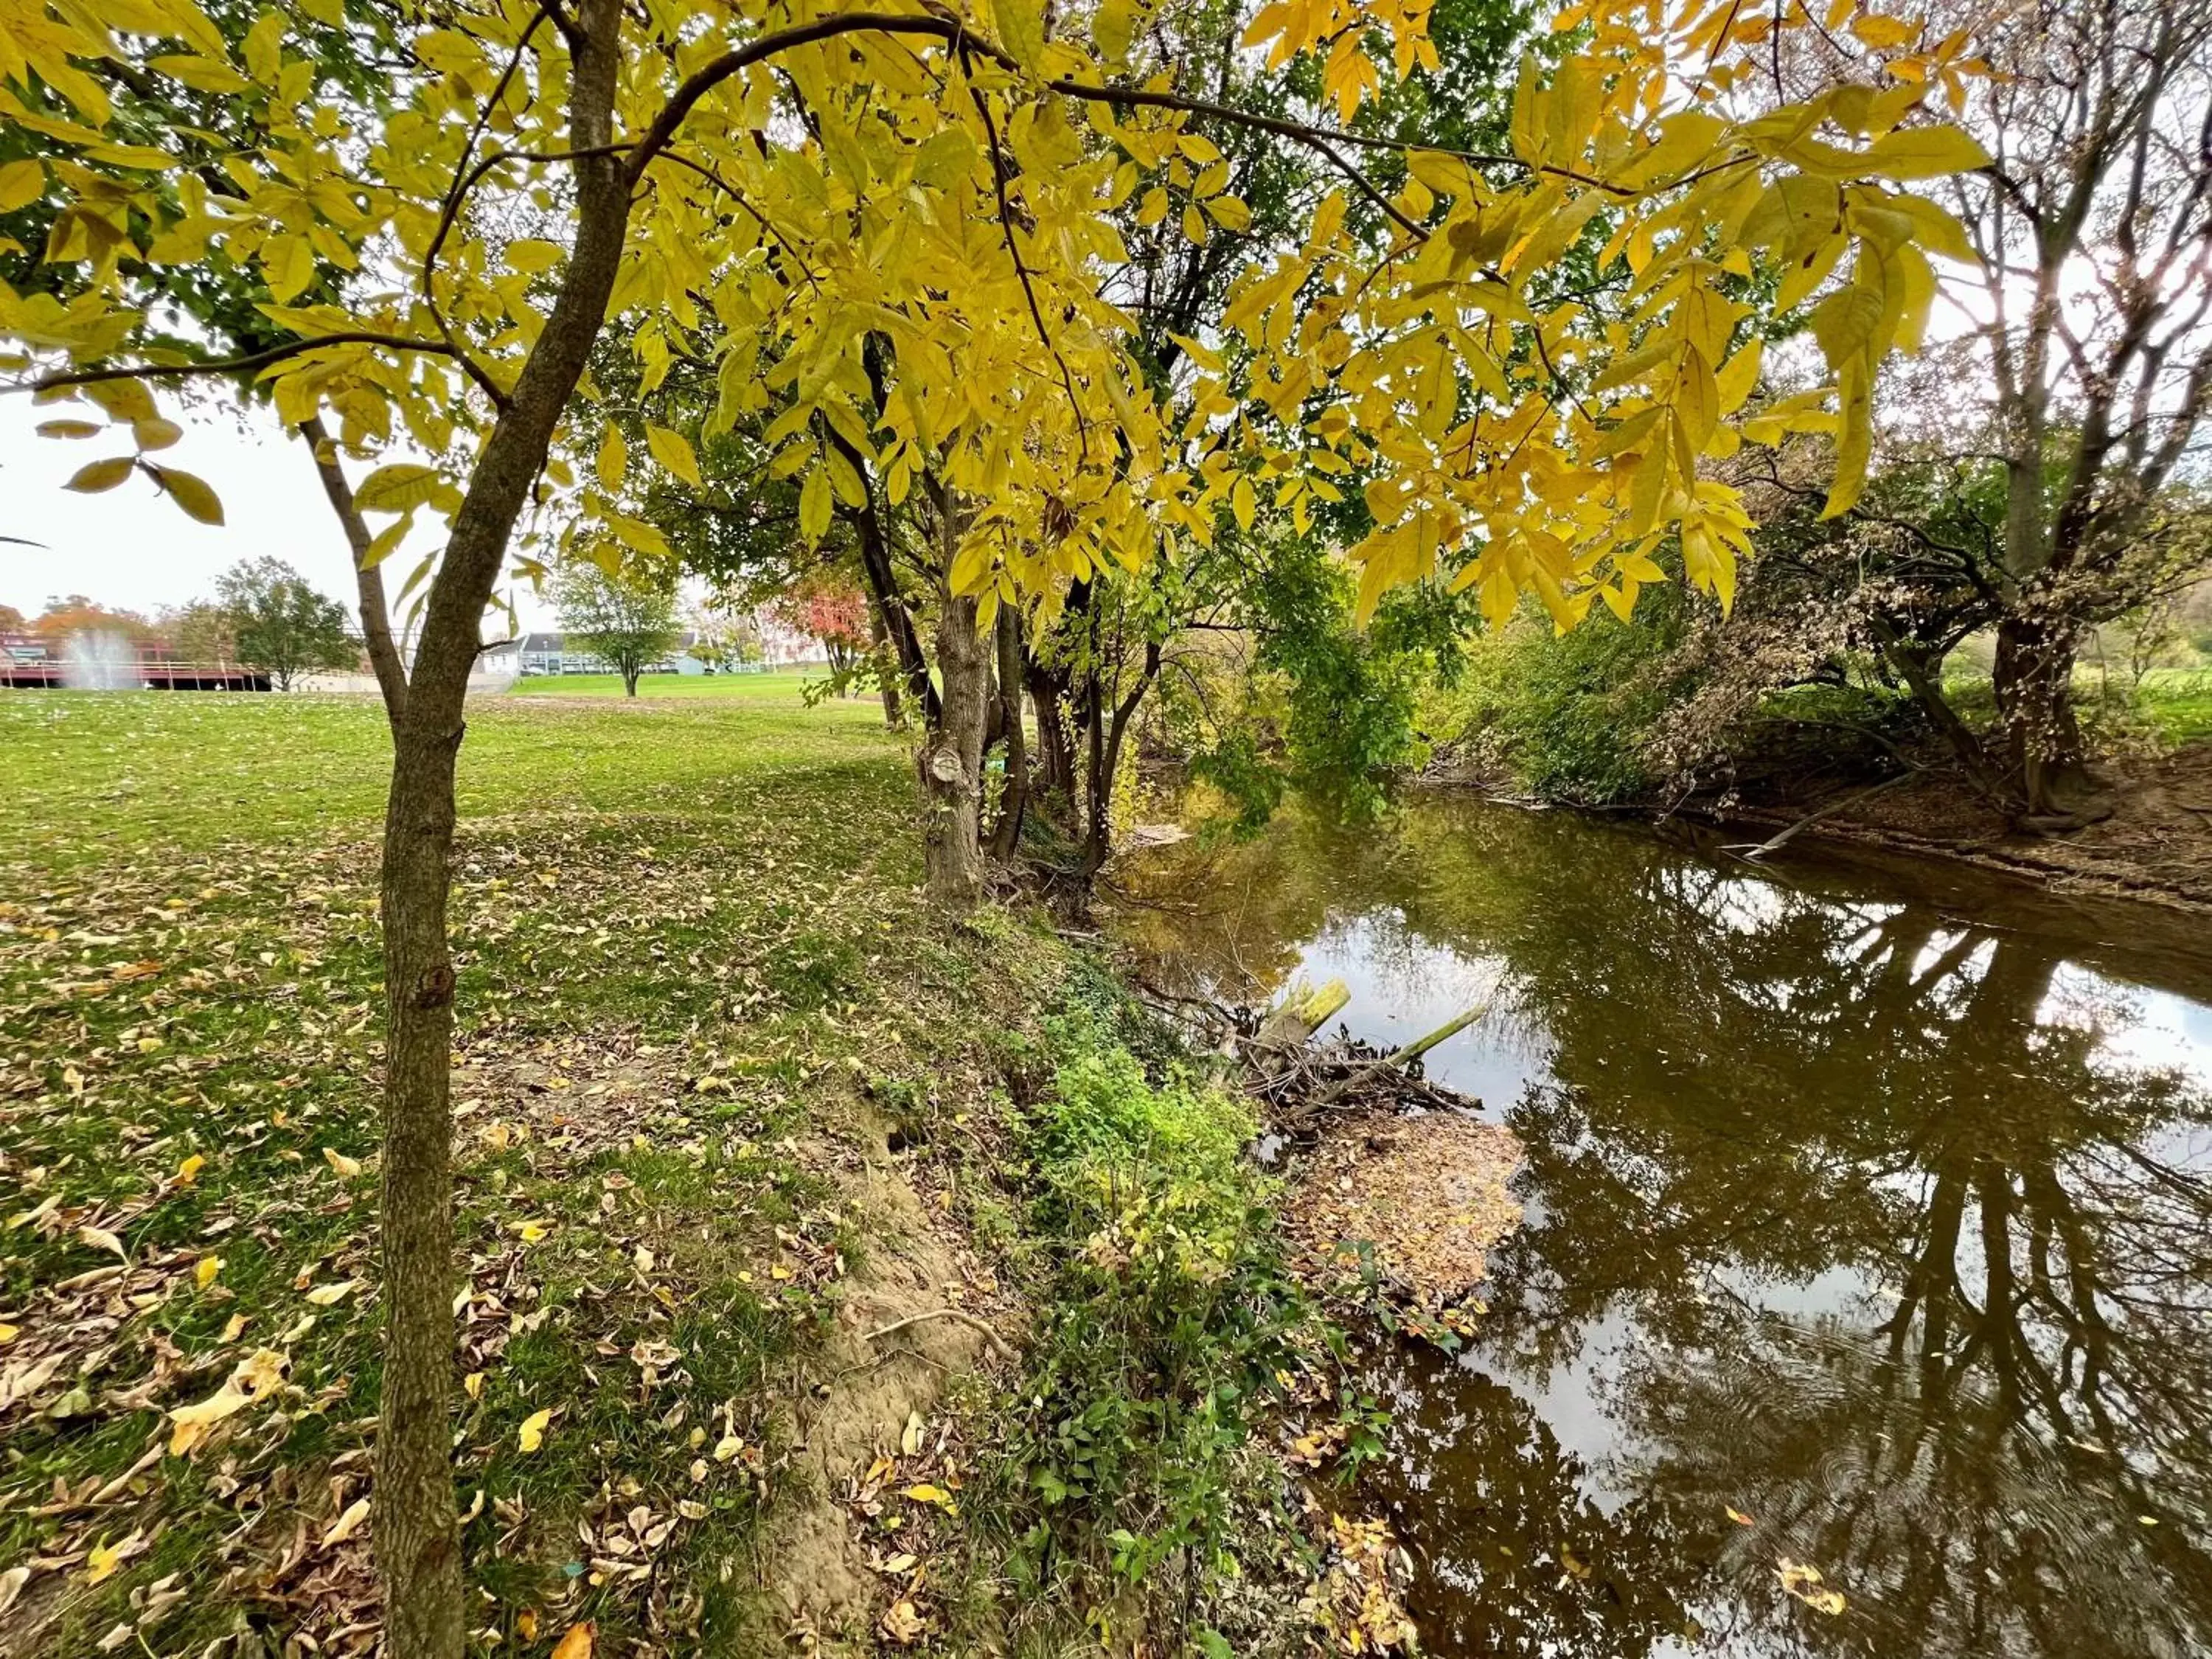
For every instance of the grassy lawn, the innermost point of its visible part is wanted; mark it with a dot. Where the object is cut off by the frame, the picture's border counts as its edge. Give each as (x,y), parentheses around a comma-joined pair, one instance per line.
(689,936)
(727,1100)
(779,688)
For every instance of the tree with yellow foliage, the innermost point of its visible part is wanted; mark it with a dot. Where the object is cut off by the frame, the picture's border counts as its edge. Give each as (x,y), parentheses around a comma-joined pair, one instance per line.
(894,222)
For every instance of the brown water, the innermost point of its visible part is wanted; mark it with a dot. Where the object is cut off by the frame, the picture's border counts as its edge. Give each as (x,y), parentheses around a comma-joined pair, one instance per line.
(1869,1200)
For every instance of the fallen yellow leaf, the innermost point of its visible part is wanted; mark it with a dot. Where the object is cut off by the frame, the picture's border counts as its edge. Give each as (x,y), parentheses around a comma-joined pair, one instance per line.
(343,1528)
(347,1167)
(1803,1582)
(205,1271)
(577,1644)
(101,1563)
(472,1385)
(253,1377)
(10,1333)
(531,1231)
(533,1436)
(329,1296)
(526,1624)
(189,1171)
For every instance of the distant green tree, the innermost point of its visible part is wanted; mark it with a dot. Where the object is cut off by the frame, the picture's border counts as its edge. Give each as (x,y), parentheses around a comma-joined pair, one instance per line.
(628,619)
(280,623)
(202,631)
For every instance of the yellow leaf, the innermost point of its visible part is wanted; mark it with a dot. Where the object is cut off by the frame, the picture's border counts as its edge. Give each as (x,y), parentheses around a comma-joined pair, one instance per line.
(1925,153)
(1193,225)
(98,475)
(101,1563)
(613,459)
(233,1328)
(395,488)
(205,1270)
(251,1379)
(532,1436)
(815,504)
(202,74)
(531,1231)
(1154,207)
(190,492)
(673,452)
(1882,33)
(925,1494)
(1804,1582)
(577,1644)
(530,255)
(1021,29)
(1243,504)
(343,1527)
(472,1385)
(71,429)
(347,1167)
(21,183)
(10,1333)
(288,264)
(189,1171)
(329,1296)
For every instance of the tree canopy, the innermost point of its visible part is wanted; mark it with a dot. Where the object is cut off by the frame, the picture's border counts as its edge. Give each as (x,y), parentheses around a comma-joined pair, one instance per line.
(950,205)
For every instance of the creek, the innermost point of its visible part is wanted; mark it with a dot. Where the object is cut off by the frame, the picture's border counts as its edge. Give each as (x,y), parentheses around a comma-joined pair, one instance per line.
(1868,1226)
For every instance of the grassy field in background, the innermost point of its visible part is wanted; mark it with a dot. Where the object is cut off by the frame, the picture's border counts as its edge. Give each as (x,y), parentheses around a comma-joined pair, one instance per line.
(88,771)
(781,688)
(686,931)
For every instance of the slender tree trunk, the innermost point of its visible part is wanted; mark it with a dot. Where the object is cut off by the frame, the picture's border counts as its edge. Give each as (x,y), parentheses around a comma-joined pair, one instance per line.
(368,578)
(887,675)
(629,680)
(951,760)
(418,1541)
(415,1522)
(2034,687)
(1006,839)
(1055,770)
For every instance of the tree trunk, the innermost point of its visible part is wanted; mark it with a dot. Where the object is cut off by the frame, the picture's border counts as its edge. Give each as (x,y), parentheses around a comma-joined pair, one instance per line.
(886,674)
(951,760)
(1055,770)
(2034,687)
(368,578)
(418,1541)
(1006,839)
(630,681)
(415,1521)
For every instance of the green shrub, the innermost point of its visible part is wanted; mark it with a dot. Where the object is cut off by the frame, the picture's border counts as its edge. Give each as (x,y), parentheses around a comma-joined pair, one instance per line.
(1130,1455)
(1567,716)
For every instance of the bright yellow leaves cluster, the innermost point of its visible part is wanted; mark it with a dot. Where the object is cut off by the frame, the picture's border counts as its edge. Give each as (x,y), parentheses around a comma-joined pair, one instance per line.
(1523,439)
(892,245)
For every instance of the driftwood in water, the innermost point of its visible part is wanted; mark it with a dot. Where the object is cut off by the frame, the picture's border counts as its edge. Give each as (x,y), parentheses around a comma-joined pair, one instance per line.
(1298,1080)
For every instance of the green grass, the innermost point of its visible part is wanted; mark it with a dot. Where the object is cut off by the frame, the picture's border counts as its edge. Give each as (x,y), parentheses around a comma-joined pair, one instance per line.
(682,930)
(690,936)
(778,688)
(91,773)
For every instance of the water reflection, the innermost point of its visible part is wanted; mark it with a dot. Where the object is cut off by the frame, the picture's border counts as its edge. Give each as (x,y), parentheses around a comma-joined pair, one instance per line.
(1877,1212)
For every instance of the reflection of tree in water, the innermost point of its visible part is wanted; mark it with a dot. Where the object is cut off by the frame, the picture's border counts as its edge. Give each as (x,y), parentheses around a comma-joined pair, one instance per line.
(1973,1462)
(1984,1256)
(1515,1557)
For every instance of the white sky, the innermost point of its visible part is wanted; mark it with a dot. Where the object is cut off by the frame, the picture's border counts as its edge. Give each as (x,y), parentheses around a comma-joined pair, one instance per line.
(132,549)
